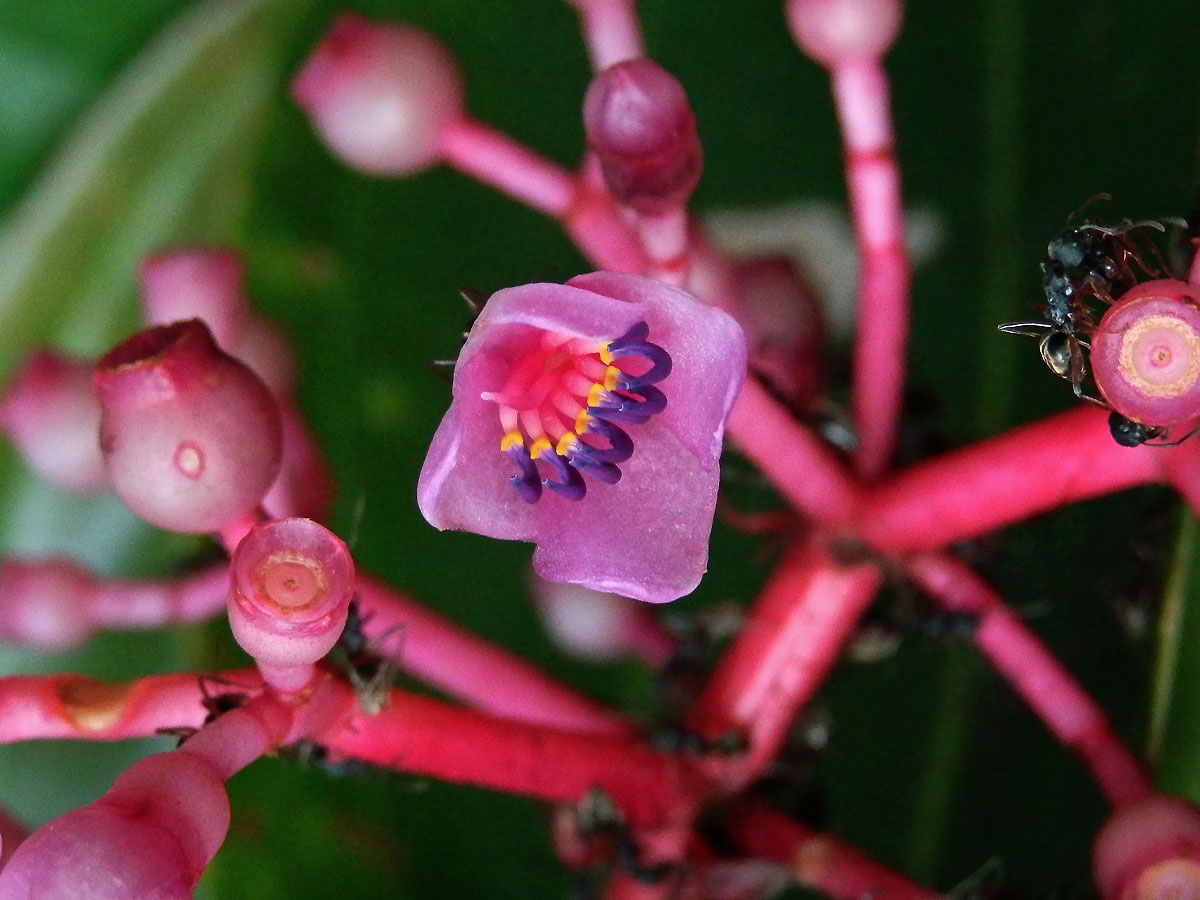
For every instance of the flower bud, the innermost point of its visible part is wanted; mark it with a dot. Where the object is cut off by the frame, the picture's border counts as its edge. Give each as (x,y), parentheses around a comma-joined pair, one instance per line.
(190,436)
(1149,850)
(51,416)
(1146,353)
(833,32)
(44,603)
(196,283)
(292,583)
(641,127)
(380,95)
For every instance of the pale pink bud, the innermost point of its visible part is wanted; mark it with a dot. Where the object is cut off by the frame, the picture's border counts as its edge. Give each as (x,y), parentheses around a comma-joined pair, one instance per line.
(150,836)
(1149,850)
(196,283)
(380,95)
(834,32)
(52,417)
(640,125)
(292,583)
(599,626)
(190,436)
(44,603)
(1146,353)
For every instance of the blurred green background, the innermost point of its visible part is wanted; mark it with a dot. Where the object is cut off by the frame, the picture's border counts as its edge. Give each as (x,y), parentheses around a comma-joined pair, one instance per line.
(126,126)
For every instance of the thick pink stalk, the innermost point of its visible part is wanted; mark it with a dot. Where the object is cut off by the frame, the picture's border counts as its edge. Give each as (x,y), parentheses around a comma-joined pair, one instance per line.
(589,217)
(424,736)
(798,464)
(476,671)
(785,650)
(817,861)
(1029,470)
(1072,716)
(35,707)
(610,30)
(665,237)
(12,834)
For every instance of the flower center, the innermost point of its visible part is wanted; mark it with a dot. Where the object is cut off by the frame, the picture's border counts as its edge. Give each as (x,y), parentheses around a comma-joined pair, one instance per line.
(563,404)
(1161,356)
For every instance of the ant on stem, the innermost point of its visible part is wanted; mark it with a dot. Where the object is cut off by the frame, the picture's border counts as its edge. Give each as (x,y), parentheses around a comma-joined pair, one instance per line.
(370,673)
(215,705)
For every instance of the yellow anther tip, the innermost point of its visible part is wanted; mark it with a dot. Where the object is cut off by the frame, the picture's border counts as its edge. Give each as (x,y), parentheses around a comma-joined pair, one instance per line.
(606,355)
(512,439)
(582,421)
(595,395)
(610,378)
(565,443)
(540,446)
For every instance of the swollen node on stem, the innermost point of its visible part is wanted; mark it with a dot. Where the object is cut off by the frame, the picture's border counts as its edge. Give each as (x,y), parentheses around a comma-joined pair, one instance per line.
(640,125)
(191,438)
(1149,850)
(51,416)
(380,95)
(292,580)
(836,32)
(1145,354)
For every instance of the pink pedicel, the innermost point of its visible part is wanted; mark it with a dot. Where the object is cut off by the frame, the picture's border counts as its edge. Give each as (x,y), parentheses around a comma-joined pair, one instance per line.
(641,127)
(190,436)
(1145,353)
(51,416)
(539,404)
(380,95)
(833,32)
(197,283)
(1149,850)
(291,589)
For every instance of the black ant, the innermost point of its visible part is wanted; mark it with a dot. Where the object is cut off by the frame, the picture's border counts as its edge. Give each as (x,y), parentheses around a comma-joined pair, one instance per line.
(370,673)
(1129,433)
(1093,260)
(215,705)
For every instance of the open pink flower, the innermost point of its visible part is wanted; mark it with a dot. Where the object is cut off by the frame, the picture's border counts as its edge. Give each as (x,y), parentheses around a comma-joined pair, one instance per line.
(588,418)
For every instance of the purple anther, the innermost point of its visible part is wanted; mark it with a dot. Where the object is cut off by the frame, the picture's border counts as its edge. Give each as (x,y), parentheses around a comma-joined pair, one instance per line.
(620,444)
(570,482)
(634,343)
(601,471)
(635,408)
(526,483)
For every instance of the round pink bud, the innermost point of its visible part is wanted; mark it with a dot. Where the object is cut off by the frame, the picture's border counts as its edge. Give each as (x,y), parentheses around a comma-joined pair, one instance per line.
(191,437)
(834,32)
(51,416)
(641,127)
(1146,353)
(292,583)
(196,283)
(380,95)
(1149,850)
(44,603)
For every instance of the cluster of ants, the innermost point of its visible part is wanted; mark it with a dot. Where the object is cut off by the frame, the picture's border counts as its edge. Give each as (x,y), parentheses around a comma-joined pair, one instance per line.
(1085,270)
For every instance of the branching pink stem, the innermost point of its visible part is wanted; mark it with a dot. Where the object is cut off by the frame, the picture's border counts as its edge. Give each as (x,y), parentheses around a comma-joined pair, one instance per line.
(154,604)
(860,93)
(817,861)
(589,217)
(610,30)
(785,650)
(1033,469)
(1073,717)
(665,238)
(476,671)
(238,737)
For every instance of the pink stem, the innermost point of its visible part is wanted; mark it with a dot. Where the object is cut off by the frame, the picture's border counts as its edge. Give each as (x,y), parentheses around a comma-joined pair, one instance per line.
(798,464)
(589,217)
(988,485)
(665,239)
(610,30)
(477,672)
(238,737)
(429,737)
(817,861)
(1072,716)
(860,92)
(72,706)
(804,615)
(153,604)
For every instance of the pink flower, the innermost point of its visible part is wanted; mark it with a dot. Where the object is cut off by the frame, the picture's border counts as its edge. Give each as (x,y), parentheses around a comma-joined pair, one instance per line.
(588,418)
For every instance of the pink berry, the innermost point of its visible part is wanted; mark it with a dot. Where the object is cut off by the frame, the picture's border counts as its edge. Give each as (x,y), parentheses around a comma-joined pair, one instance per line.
(380,95)
(834,32)
(1146,353)
(292,583)
(196,283)
(190,436)
(641,127)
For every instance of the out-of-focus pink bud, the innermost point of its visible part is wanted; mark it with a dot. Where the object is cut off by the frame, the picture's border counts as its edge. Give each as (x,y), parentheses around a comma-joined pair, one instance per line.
(191,438)
(52,417)
(641,127)
(44,603)
(833,32)
(1149,850)
(380,95)
(196,283)
(292,583)
(1146,353)
(599,626)
(150,836)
